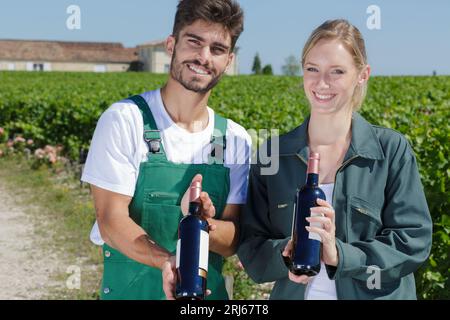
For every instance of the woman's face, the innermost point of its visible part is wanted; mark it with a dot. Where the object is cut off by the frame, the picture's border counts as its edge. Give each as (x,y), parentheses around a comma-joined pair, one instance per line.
(330,77)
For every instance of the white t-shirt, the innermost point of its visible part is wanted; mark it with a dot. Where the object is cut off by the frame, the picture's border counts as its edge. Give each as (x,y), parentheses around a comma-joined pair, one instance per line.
(117,149)
(321,287)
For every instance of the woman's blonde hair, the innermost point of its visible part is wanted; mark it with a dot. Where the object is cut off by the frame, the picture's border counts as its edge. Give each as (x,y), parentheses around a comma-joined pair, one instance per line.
(353,41)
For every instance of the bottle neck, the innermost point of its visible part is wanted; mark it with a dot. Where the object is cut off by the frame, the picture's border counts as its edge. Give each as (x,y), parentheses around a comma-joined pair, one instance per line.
(312,180)
(194,208)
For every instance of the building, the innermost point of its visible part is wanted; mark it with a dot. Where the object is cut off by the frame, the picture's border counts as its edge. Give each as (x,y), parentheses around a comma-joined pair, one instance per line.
(155,59)
(32,55)
(36,55)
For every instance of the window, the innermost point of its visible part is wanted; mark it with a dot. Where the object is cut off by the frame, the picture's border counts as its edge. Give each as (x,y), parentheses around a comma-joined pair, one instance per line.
(166,68)
(38,67)
(100,68)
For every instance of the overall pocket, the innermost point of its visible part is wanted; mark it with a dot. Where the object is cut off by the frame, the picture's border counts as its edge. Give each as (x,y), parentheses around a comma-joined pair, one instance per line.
(121,275)
(131,280)
(159,197)
(161,221)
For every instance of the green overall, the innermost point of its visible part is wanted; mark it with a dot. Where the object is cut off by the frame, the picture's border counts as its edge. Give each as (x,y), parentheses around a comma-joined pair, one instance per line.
(156,208)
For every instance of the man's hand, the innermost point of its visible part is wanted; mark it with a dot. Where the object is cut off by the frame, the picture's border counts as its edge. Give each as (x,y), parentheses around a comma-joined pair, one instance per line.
(224,239)
(207,208)
(169,275)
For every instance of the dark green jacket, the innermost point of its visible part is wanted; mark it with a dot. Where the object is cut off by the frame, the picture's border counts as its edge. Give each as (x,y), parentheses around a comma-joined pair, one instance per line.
(382,217)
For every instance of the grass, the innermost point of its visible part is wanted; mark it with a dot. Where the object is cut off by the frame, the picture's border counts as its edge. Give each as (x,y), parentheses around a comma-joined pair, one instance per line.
(62,214)
(243,287)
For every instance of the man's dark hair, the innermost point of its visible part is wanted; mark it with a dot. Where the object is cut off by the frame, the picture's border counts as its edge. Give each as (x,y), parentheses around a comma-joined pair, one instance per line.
(226,12)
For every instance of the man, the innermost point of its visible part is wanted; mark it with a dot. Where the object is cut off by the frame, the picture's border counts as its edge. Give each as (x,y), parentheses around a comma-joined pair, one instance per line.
(146,150)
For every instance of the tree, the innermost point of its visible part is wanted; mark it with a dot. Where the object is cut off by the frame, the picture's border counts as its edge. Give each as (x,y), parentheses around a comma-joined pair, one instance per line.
(136,66)
(291,67)
(256,65)
(267,70)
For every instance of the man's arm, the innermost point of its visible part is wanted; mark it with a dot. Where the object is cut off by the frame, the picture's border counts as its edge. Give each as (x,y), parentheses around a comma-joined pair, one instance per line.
(119,231)
(225,237)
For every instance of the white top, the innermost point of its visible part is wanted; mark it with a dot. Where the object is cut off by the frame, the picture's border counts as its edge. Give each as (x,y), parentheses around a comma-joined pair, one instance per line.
(321,287)
(117,149)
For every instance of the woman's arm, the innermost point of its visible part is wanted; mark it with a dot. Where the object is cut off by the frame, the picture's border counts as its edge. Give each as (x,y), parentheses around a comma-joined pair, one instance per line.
(404,243)
(259,249)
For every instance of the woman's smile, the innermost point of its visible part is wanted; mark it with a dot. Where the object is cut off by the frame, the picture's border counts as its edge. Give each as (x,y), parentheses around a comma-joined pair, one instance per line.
(323,97)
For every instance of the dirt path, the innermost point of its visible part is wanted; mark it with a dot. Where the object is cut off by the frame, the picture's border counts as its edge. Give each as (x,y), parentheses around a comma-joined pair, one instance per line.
(25,267)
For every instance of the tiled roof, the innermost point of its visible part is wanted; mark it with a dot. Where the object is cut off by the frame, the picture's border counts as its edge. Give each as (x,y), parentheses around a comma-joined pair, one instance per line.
(156,43)
(63,51)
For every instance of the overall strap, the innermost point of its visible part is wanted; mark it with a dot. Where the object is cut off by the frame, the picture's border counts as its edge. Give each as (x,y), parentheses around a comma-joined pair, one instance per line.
(218,140)
(152,135)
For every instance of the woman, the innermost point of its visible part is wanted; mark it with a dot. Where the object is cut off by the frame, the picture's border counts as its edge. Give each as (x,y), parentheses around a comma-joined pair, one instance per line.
(376,223)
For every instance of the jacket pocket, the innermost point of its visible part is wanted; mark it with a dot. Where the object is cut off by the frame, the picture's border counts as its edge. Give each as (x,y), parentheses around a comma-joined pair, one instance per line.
(281,217)
(363,220)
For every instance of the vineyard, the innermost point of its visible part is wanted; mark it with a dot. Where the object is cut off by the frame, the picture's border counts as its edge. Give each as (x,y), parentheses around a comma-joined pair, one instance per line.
(63,108)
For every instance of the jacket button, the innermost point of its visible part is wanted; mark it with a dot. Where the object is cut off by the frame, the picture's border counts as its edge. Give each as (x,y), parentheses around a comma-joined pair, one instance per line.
(106,290)
(107,254)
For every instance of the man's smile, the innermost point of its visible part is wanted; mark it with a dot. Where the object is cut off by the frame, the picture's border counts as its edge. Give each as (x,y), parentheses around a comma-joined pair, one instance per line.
(198,70)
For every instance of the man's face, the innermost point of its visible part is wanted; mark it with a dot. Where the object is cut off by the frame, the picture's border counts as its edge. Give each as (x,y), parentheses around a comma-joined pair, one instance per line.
(200,55)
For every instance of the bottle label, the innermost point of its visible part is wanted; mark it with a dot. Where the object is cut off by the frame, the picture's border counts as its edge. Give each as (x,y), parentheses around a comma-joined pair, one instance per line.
(315,235)
(293,219)
(178,253)
(204,250)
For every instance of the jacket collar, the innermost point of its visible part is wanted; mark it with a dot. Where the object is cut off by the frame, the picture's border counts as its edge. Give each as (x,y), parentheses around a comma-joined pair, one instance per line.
(365,142)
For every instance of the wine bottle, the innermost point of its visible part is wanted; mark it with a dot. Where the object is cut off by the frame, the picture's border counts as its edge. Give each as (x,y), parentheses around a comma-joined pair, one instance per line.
(192,250)
(306,251)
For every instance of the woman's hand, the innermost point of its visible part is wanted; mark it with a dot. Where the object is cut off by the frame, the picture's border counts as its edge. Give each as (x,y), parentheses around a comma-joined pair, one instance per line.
(298,279)
(324,215)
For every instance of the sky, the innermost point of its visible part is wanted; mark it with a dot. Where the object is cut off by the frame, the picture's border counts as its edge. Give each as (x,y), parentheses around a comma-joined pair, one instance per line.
(411,37)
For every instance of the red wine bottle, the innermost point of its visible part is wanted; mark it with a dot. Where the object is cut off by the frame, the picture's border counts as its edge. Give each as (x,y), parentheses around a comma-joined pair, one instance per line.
(306,251)
(192,250)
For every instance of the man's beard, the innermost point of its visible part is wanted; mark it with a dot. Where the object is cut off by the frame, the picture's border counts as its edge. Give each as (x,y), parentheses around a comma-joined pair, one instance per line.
(176,71)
